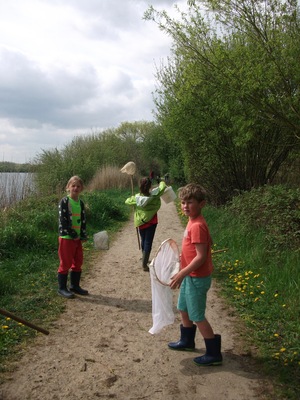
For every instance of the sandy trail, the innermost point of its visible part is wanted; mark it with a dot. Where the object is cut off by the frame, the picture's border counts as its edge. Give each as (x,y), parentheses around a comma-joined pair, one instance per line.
(100,346)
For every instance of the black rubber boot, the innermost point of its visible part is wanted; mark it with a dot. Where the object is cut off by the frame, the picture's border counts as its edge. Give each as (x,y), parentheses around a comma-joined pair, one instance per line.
(213,355)
(145,260)
(74,286)
(62,286)
(187,339)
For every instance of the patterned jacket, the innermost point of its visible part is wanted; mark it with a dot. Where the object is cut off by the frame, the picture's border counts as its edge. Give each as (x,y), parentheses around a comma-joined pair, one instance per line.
(65,220)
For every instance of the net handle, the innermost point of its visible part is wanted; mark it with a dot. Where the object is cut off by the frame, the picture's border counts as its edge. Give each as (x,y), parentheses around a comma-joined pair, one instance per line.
(173,245)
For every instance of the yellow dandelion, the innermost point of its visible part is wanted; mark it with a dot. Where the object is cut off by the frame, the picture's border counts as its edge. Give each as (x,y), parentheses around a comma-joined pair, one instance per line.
(283,349)
(276,334)
(4,326)
(276,295)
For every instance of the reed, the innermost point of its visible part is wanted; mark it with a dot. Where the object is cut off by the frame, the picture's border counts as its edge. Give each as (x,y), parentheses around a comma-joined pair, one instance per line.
(15,187)
(109,177)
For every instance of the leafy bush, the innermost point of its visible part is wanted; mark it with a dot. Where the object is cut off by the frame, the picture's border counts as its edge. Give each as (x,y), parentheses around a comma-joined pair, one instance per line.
(103,210)
(276,209)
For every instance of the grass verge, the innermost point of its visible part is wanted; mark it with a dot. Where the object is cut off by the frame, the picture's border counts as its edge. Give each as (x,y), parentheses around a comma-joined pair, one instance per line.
(29,262)
(264,289)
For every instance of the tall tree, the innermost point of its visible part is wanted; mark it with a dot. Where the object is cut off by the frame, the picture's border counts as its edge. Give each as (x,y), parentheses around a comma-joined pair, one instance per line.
(230,94)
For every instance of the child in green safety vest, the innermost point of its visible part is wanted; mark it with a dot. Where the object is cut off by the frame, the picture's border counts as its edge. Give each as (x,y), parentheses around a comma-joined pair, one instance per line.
(72,232)
(146,205)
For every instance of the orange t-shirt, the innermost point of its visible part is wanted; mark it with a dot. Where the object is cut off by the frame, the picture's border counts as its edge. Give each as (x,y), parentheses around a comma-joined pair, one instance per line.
(196,232)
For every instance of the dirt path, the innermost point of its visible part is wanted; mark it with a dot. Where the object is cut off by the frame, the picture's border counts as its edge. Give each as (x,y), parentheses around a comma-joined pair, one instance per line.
(100,347)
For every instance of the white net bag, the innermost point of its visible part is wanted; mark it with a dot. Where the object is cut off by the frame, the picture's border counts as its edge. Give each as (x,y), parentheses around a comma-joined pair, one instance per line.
(164,265)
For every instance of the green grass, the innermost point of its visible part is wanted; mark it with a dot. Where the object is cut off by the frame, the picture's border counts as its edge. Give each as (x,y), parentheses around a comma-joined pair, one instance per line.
(262,283)
(29,261)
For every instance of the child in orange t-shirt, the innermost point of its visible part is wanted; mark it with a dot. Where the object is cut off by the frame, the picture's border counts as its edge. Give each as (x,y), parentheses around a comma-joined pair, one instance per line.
(194,279)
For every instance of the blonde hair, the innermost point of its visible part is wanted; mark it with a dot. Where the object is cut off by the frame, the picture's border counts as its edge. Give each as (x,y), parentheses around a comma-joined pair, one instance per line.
(74,179)
(192,191)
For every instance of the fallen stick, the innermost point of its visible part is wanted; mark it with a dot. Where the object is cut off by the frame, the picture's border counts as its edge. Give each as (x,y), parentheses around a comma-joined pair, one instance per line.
(18,319)
(218,251)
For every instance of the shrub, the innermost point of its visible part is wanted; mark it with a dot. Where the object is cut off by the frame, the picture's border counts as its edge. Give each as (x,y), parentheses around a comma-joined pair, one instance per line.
(276,209)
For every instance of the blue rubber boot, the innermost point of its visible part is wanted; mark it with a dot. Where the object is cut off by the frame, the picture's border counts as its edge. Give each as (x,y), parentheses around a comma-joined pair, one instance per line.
(62,286)
(145,260)
(213,355)
(74,285)
(186,341)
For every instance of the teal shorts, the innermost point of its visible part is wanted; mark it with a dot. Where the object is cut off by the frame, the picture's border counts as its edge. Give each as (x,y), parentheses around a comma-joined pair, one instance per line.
(192,297)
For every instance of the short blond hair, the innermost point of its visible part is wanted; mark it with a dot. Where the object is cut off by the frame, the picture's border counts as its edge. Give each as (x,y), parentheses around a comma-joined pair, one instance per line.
(192,191)
(74,179)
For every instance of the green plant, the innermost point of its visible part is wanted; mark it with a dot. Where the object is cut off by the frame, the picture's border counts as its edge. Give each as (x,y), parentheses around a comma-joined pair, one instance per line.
(276,209)
(262,284)
(29,262)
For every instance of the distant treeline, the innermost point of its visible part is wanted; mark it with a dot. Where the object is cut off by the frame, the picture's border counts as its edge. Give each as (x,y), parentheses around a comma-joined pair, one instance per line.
(6,166)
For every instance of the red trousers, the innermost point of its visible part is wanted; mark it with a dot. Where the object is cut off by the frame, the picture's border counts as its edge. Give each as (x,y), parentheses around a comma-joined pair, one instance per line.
(70,254)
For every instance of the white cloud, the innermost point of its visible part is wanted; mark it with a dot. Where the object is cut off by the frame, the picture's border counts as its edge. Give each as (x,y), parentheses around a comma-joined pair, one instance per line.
(68,67)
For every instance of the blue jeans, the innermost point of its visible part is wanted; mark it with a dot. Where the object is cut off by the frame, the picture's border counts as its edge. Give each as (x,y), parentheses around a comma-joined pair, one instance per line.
(147,236)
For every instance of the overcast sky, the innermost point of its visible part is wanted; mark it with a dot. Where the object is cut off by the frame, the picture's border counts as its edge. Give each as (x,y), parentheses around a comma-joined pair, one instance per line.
(73,67)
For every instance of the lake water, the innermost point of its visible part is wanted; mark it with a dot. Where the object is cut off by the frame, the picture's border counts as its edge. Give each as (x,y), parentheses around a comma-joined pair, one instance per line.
(15,186)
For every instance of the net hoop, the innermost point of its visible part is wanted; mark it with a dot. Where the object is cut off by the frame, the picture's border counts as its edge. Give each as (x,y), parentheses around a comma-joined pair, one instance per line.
(173,266)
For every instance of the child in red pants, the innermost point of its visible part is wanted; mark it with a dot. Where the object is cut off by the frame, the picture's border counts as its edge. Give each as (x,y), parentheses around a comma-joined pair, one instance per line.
(72,232)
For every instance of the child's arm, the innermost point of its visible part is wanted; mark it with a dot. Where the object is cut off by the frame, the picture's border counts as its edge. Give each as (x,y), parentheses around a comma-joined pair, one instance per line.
(198,260)
(159,190)
(131,201)
(83,232)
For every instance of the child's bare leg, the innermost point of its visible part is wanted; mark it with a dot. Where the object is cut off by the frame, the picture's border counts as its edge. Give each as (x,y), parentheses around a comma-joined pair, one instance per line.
(186,322)
(205,329)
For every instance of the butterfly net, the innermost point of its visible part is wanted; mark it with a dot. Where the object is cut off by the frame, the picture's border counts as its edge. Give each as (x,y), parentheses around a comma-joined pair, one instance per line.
(164,265)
